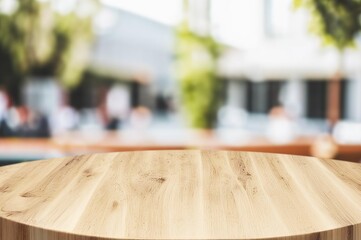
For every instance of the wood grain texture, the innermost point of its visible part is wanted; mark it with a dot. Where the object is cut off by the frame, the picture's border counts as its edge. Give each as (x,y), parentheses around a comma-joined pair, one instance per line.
(181,195)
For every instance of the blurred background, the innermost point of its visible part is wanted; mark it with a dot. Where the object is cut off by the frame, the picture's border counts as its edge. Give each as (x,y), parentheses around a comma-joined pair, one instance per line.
(80,76)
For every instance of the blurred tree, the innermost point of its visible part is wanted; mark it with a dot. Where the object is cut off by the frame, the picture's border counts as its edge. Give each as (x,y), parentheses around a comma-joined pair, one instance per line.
(337,23)
(196,66)
(38,39)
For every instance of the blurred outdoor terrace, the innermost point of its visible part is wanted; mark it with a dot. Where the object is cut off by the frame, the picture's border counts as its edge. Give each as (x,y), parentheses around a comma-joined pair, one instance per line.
(115,75)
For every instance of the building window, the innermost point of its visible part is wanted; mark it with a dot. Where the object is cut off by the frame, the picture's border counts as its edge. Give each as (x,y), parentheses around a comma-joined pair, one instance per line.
(277,16)
(316,91)
(263,96)
(343,99)
(317,98)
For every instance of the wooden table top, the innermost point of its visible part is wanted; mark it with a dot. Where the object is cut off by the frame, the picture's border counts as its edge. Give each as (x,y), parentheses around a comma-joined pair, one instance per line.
(181,195)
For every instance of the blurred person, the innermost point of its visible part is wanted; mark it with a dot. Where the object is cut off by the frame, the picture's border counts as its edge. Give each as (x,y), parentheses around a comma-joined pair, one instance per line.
(66,117)
(281,127)
(38,125)
(90,117)
(140,118)
(32,124)
(91,126)
(139,121)
(13,119)
(231,124)
(232,117)
(5,130)
(164,104)
(324,146)
(291,97)
(23,116)
(117,106)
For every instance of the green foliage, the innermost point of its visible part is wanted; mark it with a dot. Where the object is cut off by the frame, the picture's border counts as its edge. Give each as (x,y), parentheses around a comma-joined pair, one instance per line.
(73,39)
(196,65)
(337,22)
(37,40)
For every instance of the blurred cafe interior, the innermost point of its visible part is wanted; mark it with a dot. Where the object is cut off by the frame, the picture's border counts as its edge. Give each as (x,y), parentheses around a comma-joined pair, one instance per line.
(80,76)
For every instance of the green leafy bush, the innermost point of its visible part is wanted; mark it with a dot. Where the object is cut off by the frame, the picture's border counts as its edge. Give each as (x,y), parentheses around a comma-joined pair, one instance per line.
(337,22)
(37,40)
(196,68)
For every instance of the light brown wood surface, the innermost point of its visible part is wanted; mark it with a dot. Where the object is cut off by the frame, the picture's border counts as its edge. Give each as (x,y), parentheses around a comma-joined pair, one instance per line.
(181,195)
